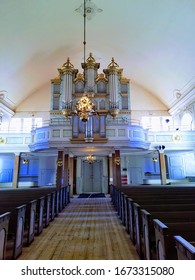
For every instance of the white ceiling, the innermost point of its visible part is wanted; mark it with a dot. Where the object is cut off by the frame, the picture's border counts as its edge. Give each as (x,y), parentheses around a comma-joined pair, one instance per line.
(153,40)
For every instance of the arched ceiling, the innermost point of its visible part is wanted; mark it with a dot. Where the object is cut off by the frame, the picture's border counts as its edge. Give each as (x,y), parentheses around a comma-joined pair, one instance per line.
(152,40)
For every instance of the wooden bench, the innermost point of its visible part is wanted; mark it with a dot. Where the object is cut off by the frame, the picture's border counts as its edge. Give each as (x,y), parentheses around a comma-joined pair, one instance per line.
(15,230)
(43,216)
(185,249)
(174,198)
(41,205)
(139,194)
(148,231)
(30,215)
(4,223)
(165,242)
(137,226)
(134,209)
(126,199)
(34,210)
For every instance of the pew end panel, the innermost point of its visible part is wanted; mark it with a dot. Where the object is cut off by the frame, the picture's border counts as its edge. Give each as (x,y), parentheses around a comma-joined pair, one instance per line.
(161,233)
(165,243)
(15,233)
(47,210)
(149,241)
(131,219)
(126,209)
(30,216)
(39,215)
(4,223)
(185,249)
(138,230)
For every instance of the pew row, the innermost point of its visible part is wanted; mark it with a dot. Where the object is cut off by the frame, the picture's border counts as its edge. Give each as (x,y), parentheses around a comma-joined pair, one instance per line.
(165,242)
(138,229)
(148,240)
(156,199)
(38,213)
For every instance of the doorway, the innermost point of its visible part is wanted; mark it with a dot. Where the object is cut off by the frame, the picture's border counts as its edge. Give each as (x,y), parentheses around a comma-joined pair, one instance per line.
(92,174)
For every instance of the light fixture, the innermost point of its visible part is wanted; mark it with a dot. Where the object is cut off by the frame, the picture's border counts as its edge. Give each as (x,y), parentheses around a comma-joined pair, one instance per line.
(154,159)
(59,162)
(25,161)
(90,158)
(84,108)
(117,161)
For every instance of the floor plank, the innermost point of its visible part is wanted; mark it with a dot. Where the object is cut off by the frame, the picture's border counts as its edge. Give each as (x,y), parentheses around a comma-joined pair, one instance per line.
(87,229)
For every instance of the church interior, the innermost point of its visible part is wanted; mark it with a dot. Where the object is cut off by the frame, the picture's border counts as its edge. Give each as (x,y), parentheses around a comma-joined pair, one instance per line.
(97,110)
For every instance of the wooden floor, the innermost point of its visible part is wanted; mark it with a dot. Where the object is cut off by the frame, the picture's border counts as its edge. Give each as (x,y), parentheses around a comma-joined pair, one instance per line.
(87,229)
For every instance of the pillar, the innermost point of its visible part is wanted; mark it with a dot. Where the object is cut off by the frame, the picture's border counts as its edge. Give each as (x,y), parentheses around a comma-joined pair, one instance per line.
(110,164)
(113,169)
(71,172)
(163,173)
(16,171)
(59,171)
(118,168)
(66,170)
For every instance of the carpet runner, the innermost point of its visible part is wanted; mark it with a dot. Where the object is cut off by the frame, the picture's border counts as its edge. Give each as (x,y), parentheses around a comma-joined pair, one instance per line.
(91,195)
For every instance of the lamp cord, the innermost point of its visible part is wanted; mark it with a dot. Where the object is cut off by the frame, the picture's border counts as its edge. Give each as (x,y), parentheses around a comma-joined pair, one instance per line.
(84,42)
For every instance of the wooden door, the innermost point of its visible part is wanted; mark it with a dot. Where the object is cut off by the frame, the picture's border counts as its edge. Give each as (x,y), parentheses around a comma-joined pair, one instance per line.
(92,174)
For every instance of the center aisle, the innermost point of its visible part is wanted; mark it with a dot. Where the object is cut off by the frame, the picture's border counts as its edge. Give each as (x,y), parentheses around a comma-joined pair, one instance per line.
(87,229)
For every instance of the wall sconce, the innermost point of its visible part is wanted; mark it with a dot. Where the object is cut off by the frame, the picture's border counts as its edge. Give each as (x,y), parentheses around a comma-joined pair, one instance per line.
(25,161)
(154,159)
(118,160)
(59,162)
(177,137)
(2,140)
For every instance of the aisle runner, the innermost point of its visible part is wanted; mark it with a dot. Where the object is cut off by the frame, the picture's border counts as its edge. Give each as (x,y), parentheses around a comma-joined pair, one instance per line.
(91,195)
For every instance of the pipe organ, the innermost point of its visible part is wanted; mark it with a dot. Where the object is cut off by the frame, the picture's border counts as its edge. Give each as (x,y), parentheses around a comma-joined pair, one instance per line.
(109,92)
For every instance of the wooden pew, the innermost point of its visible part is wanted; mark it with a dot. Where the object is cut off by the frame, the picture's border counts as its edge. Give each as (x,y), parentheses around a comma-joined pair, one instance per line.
(4,223)
(139,194)
(124,209)
(137,226)
(185,249)
(157,205)
(15,230)
(164,233)
(34,210)
(47,213)
(125,198)
(30,214)
(37,214)
(148,236)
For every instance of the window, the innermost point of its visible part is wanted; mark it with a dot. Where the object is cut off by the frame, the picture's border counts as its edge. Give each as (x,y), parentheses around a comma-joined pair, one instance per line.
(157,123)
(21,124)
(15,125)
(186,122)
